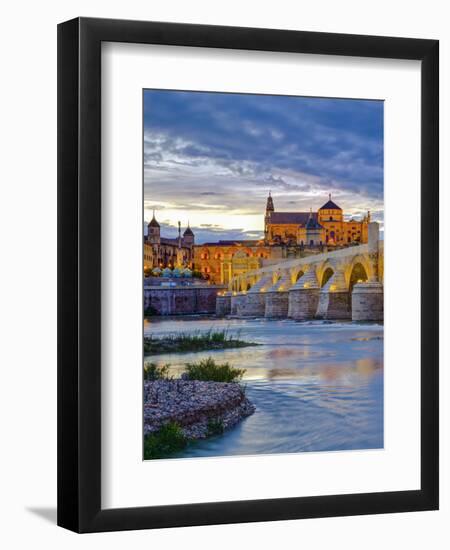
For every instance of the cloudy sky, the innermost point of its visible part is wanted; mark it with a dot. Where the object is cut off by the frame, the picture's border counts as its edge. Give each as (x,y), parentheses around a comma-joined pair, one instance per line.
(211,159)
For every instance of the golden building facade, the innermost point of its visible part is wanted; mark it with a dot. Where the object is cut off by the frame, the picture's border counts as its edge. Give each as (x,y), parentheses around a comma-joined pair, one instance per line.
(222,260)
(326,227)
(285,234)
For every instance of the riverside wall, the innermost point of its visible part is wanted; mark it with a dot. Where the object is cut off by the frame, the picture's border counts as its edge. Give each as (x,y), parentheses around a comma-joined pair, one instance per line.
(182,300)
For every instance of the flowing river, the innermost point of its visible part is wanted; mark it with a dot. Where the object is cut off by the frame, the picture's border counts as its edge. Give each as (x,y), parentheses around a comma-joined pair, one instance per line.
(317,386)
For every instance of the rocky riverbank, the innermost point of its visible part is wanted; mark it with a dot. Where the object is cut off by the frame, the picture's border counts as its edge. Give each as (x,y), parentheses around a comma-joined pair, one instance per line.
(200,408)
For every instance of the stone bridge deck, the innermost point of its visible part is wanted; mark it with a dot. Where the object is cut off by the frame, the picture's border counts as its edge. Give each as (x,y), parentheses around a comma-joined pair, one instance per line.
(341,284)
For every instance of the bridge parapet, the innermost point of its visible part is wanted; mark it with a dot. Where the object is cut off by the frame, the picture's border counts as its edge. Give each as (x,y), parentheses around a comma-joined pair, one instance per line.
(296,264)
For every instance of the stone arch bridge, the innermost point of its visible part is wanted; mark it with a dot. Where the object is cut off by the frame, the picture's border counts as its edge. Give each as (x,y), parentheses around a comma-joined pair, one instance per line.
(341,284)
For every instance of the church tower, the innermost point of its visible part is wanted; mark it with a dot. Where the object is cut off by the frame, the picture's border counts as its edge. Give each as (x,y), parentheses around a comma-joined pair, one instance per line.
(154,231)
(188,237)
(330,212)
(269,209)
(189,241)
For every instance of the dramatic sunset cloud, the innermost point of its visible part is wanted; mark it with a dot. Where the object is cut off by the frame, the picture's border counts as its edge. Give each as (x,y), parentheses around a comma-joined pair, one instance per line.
(211,159)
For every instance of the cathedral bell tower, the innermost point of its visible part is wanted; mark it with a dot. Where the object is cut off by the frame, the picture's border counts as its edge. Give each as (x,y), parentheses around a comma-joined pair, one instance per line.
(269,209)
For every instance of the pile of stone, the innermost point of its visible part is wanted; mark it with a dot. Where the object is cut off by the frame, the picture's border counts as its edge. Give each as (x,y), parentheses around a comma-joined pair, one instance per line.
(193,404)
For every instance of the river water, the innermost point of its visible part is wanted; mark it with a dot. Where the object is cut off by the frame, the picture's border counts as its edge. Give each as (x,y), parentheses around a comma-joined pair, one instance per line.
(317,386)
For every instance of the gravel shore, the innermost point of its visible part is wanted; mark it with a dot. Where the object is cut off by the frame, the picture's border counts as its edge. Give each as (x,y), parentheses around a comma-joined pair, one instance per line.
(193,405)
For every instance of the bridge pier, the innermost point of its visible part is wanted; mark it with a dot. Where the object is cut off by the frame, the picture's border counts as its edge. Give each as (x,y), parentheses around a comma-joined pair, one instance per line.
(236,303)
(334,305)
(277,303)
(367,302)
(304,297)
(254,305)
(303,303)
(223,304)
(277,298)
(334,299)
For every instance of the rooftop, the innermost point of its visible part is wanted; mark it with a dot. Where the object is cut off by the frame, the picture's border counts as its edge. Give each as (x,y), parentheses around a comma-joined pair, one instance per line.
(298,218)
(234,242)
(330,205)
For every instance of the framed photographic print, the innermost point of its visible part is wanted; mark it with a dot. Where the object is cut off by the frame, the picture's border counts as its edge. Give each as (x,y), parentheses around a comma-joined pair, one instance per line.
(248,275)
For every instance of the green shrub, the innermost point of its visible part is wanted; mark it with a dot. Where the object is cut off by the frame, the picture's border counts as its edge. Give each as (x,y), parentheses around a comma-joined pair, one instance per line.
(207,369)
(215,426)
(150,311)
(154,372)
(167,440)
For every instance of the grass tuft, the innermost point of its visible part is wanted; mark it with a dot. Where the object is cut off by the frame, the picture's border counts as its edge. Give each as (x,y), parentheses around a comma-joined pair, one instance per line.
(215,426)
(198,341)
(154,372)
(167,440)
(208,369)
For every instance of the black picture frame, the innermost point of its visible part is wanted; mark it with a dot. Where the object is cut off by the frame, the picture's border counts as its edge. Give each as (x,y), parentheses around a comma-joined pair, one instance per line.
(79,274)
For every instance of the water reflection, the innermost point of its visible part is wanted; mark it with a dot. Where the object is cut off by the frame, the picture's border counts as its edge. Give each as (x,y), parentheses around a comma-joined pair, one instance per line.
(316,386)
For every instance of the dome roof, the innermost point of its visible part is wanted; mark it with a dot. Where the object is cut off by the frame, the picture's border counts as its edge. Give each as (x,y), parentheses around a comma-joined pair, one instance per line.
(330,205)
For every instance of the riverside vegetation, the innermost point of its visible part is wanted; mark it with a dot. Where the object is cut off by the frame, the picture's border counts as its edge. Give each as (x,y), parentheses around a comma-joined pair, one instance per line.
(199,341)
(205,401)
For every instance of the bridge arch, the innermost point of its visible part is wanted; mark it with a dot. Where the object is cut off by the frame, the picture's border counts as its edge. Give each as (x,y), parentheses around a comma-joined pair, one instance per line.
(296,272)
(276,276)
(358,274)
(324,272)
(326,275)
(358,269)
